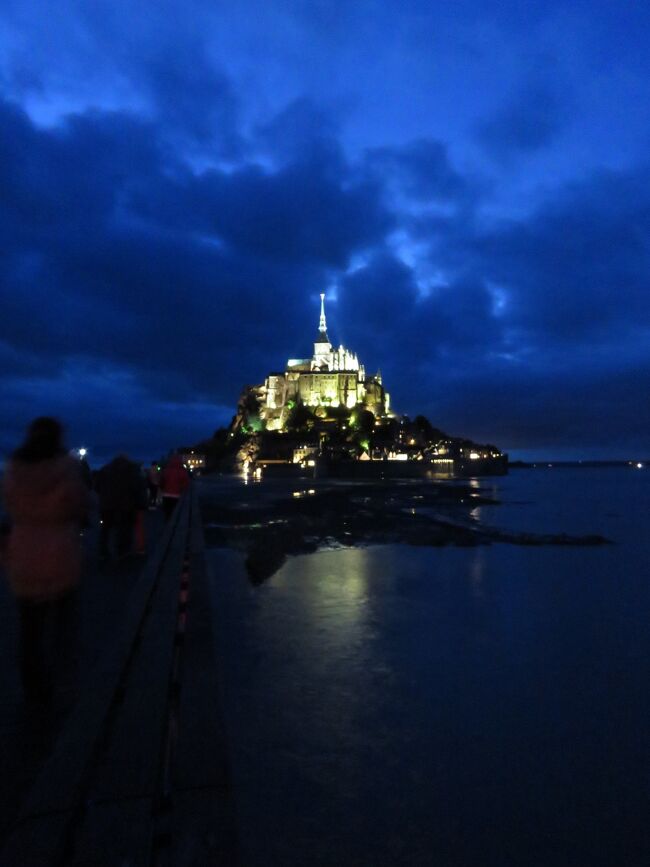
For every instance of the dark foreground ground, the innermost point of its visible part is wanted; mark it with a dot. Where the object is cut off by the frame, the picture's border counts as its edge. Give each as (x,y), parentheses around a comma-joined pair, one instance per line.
(27,735)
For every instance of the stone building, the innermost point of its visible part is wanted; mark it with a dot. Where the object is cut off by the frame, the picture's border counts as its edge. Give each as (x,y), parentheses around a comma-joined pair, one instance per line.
(332,377)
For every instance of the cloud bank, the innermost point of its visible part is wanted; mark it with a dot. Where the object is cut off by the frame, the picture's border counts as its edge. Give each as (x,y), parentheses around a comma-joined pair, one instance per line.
(164,237)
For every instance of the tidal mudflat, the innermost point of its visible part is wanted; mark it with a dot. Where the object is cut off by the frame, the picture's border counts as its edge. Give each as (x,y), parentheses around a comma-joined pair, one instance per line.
(270,521)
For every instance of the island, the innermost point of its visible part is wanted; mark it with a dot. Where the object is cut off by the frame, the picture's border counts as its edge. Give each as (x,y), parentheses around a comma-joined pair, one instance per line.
(326,416)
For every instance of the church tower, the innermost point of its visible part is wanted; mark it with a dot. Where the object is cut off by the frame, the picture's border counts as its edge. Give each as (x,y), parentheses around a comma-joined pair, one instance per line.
(322,346)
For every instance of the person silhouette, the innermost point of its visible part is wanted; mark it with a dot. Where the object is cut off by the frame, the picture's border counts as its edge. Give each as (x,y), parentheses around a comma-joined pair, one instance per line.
(121,491)
(47,501)
(175,481)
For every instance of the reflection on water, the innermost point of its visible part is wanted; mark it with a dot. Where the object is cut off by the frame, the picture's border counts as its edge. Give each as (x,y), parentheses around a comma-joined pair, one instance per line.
(418,706)
(476,569)
(333,594)
(475,513)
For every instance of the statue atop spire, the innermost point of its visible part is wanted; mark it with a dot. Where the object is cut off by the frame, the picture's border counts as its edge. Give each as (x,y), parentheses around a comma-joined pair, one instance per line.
(322,325)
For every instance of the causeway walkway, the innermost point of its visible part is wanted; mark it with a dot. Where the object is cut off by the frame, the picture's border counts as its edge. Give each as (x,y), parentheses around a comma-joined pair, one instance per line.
(129,766)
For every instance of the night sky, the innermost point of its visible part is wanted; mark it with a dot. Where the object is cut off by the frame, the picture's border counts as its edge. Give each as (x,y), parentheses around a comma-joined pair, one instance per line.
(469,182)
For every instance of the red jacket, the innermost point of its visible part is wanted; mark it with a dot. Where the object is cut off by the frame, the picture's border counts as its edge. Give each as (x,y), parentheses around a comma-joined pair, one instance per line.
(46,502)
(175,478)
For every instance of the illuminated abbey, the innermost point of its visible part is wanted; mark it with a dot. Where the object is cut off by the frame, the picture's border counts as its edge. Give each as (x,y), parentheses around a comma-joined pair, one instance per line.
(331,378)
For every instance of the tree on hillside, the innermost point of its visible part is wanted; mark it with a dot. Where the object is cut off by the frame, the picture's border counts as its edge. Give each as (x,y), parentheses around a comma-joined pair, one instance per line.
(220,435)
(363,420)
(389,429)
(341,414)
(300,417)
(222,444)
(249,409)
(429,432)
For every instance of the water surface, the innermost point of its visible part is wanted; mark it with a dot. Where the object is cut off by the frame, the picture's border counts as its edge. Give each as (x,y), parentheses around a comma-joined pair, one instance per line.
(413,705)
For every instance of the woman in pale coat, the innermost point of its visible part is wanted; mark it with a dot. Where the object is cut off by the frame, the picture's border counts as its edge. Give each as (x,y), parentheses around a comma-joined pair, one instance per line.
(46,501)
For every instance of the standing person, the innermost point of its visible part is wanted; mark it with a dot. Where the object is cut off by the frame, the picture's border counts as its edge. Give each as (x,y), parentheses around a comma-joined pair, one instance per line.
(175,480)
(86,472)
(46,501)
(139,528)
(153,482)
(120,489)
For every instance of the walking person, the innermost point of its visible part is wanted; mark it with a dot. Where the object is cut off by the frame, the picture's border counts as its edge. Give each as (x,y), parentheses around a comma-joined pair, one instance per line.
(153,483)
(139,530)
(121,492)
(46,501)
(175,481)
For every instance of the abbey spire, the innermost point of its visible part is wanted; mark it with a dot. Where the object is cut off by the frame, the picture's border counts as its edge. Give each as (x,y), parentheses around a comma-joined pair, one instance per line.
(322,324)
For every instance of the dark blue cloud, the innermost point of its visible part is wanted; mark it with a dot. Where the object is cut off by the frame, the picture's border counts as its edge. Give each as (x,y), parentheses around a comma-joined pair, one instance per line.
(529,122)
(177,186)
(301,131)
(118,254)
(575,270)
(422,169)
(389,317)
(301,213)
(194,101)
